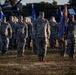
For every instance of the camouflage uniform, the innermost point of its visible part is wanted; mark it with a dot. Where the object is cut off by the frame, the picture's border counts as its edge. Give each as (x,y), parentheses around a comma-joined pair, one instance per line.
(41,33)
(0,36)
(54,32)
(29,34)
(61,41)
(70,38)
(6,33)
(21,35)
(13,39)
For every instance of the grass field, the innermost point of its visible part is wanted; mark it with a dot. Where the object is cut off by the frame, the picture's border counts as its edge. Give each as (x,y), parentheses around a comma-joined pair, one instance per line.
(10,64)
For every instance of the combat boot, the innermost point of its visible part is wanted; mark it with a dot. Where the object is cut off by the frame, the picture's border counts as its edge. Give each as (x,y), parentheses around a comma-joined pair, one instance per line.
(43,59)
(39,58)
(18,54)
(71,57)
(61,53)
(4,52)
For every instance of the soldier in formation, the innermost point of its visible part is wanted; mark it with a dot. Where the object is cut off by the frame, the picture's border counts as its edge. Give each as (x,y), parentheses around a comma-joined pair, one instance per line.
(13,39)
(21,35)
(54,32)
(71,33)
(6,34)
(27,20)
(41,33)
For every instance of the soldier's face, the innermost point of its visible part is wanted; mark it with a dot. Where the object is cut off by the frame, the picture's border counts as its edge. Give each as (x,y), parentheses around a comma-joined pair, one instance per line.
(53,19)
(20,19)
(42,15)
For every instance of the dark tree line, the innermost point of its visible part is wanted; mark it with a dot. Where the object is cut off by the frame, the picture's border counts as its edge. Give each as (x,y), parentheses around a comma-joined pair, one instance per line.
(72,3)
(48,8)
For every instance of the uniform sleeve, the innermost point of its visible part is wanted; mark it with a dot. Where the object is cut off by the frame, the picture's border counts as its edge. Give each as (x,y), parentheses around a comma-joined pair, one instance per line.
(75,30)
(57,27)
(16,29)
(31,29)
(48,29)
(26,30)
(10,30)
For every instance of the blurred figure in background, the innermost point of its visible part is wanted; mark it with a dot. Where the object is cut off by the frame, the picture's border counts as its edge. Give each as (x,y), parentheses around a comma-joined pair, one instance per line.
(71,34)
(54,32)
(41,32)
(6,34)
(13,39)
(21,35)
(27,20)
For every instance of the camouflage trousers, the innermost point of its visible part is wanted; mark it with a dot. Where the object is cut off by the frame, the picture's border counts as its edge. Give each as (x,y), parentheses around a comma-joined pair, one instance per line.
(28,40)
(0,45)
(5,43)
(20,46)
(71,44)
(61,47)
(12,43)
(0,42)
(34,45)
(52,41)
(41,46)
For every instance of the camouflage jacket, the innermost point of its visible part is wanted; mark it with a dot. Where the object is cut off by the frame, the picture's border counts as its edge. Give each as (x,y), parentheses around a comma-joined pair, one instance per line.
(21,30)
(13,25)
(6,29)
(41,28)
(71,29)
(53,28)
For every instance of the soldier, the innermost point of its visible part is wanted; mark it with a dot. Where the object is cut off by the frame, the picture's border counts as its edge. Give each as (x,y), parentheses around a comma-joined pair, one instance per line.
(53,30)
(13,39)
(6,34)
(27,20)
(21,35)
(41,33)
(71,28)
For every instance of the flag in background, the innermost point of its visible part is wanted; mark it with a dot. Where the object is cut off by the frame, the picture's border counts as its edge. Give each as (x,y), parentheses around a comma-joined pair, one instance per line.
(63,27)
(1,14)
(62,22)
(33,12)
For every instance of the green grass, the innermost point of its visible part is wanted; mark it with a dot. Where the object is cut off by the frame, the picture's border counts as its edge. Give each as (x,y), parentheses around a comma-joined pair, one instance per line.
(10,64)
